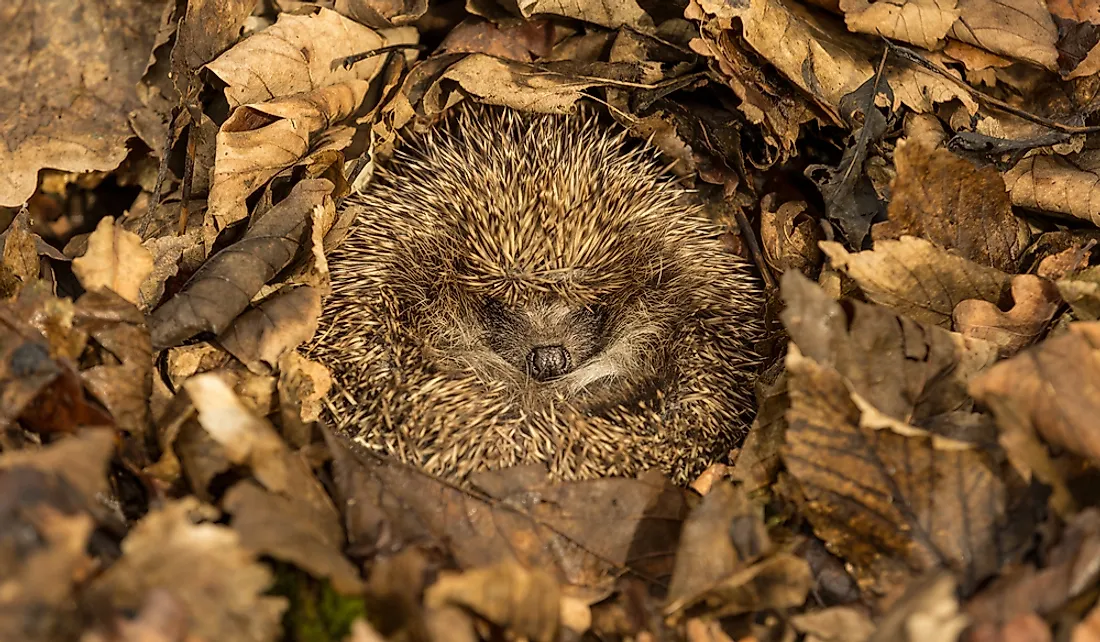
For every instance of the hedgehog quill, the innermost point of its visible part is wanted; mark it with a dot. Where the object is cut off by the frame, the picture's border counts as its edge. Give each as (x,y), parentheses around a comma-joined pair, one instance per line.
(522,289)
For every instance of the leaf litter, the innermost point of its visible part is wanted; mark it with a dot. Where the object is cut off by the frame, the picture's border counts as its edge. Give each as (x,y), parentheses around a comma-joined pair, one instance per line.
(915,179)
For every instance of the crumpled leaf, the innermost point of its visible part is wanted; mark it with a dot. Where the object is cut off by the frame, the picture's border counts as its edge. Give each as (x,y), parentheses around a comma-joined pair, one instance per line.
(115,260)
(68,87)
(203,565)
(727,565)
(582,531)
(1035,300)
(918,279)
(1057,184)
(881,491)
(226,283)
(285,110)
(1046,390)
(789,236)
(525,601)
(383,13)
(261,336)
(942,198)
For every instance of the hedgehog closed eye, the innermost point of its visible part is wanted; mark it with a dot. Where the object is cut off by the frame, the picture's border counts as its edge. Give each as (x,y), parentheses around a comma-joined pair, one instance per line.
(522,289)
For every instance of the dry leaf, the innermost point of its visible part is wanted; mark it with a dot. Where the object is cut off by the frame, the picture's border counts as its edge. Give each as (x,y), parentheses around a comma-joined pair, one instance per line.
(1063,185)
(612,14)
(525,601)
(789,235)
(836,624)
(1048,390)
(19,262)
(202,565)
(881,491)
(114,260)
(942,198)
(264,334)
(918,279)
(226,283)
(522,42)
(383,13)
(920,22)
(1035,300)
(68,87)
(1082,292)
(929,610)
(511,84)
(1021,29)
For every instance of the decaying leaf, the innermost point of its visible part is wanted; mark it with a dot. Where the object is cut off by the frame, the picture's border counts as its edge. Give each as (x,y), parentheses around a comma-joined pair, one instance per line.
(1035,300)
(68,87)
(115,260)
(203,565)
(918,279)
(880,490)
(226,283)
(942,198)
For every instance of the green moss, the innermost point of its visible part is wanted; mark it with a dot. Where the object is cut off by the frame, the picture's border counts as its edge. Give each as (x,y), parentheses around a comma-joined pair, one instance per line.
(317,613)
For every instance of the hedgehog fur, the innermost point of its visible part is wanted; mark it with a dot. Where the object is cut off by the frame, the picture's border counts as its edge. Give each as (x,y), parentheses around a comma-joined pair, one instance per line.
(522,289)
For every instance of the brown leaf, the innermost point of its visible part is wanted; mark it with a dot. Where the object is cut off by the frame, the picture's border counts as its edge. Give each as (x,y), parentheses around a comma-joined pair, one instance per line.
(264,334)
(226,283)
(19,262)
(115,260)
(1082,292)
(583,531)
(920,22)
(1035,300)
(942,198)
(523,42)
(790,236)
(79,460)
(1020,29)
(1058,184)
(511,84)
(293,529)
(68,86)
(525,601)
(836,624)
(1069,571)
(612,14)
(882,492)
(726,564)
(202,565)
(918,279)
(383,13)
(162,619)
(1022,627)
(929,610)
(1047,390)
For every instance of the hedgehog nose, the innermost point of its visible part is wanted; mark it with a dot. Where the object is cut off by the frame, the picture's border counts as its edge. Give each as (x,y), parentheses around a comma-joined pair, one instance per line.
(547,362)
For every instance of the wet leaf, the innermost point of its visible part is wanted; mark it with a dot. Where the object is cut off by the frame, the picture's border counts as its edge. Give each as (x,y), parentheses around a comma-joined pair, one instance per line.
(226,283)
(942,198)
(115,260)
(69,87)
(918,279)
(220,584)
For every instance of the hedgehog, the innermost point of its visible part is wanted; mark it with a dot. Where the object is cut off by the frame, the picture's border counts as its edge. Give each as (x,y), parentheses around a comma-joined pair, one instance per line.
(537,289)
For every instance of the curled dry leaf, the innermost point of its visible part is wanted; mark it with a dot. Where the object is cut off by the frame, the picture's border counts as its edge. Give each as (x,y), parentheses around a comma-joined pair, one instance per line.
(882,492)
(69,86)
(226,283)
(1035,300)
(942,198)
(1047,390)
(527,602)
(283,110)
(383,13)
(261,336)
(115,260)
(789,236)
(726,565)
(1058,184)
(585,532)
(203,566)
(918,279)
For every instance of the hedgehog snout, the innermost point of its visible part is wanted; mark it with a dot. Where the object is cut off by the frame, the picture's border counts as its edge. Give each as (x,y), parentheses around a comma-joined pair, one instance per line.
(548,362)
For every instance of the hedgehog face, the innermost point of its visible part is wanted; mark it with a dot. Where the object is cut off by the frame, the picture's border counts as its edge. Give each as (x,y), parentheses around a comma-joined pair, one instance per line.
(546,338)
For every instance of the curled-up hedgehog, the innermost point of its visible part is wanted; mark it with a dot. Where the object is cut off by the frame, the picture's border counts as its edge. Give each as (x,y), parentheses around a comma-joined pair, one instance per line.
(522,289)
